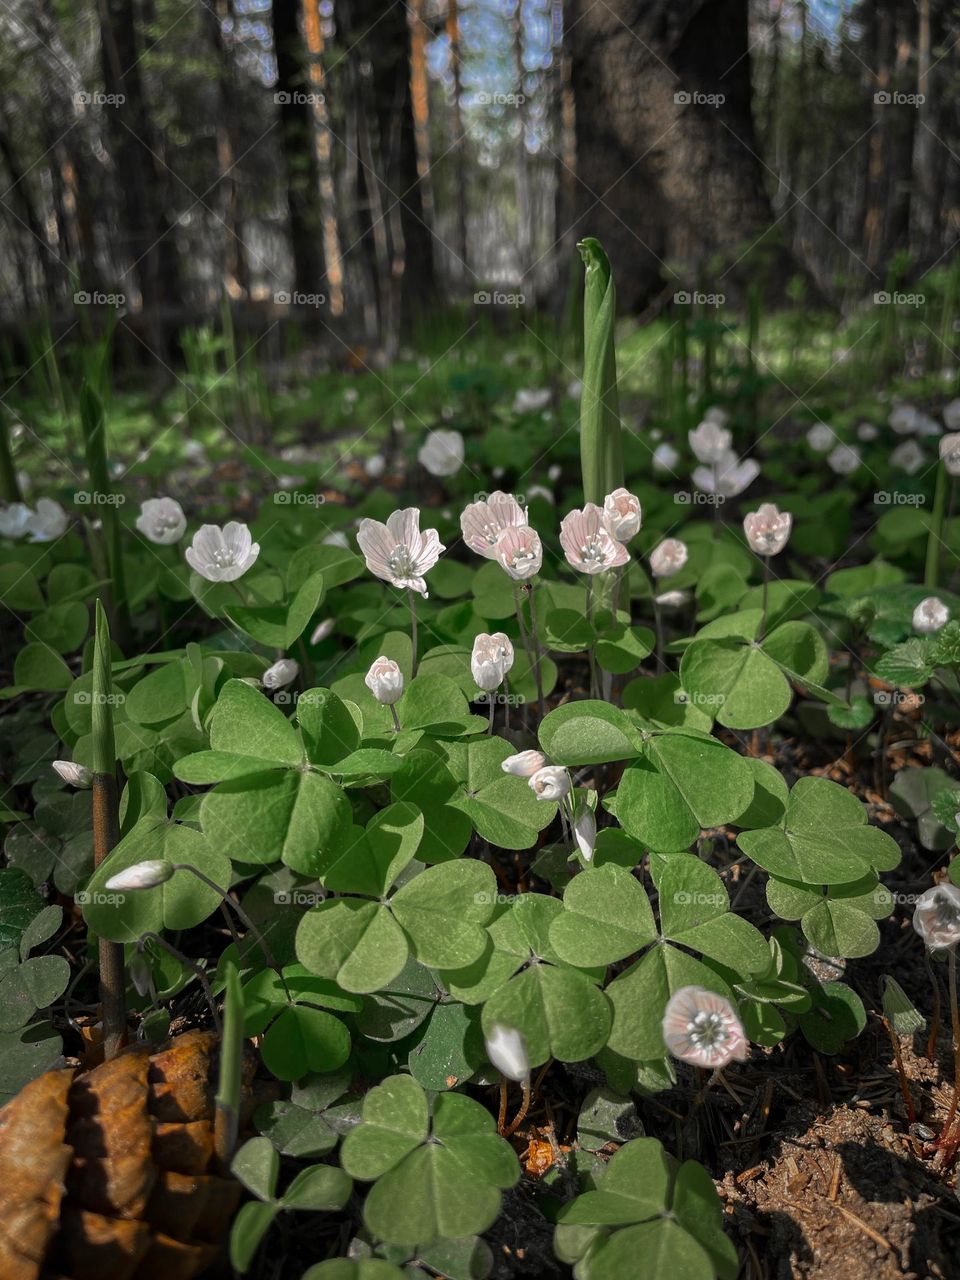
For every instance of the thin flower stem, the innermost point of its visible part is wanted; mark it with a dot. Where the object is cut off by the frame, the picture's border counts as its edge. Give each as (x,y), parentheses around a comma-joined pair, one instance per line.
(521,623)
(524,1108)
(502,1117)
(955,1024)
(535,644)
(506,704)
(396,718)
(658,629)
(413,631)
(592,649)
(902,1075)
(763,604)
(492,703)
(195,969)
(935,1015)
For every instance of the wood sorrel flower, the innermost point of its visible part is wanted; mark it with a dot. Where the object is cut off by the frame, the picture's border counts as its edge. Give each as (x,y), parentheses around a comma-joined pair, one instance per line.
(483,522)
(75,775)
(930,615)
(222,555)
(936,916)
(622,515)
(507,1051)
(524,764)
(587,544)
(491,659)
(710,442)
(142,875)
(844,459)
(322,630)
(14,520)
(442,453)
(908,457)
(552,782)
(728,476)
(520,552)
(161,520)
(283,672)
(385,681)
(821,438)
(701,1027)
(668,557)
(950,453)
(397,551)
(585,831)
(48,522)
(767,529)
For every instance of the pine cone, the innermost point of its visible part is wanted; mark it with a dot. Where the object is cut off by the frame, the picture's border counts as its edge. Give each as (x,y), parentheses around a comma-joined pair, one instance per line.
(111,1173)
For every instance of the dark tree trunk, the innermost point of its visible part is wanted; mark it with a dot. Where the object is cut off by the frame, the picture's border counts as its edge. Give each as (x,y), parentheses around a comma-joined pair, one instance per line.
(666,179)
(296,124)
(391,192)
(148,237)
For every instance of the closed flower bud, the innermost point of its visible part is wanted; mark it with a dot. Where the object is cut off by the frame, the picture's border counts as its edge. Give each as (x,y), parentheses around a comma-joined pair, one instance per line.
(507,1051)
(585,831)
(525,764)
(550,783)
(621,515)
(385,681)
(74,775)
(491,659)
(142,875)
(668,557)
(282,673)
(937,916)
(322,630)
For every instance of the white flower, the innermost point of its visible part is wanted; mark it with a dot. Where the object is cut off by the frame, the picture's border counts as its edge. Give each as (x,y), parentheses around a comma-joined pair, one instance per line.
(194,452)
(74,775)
(554,473)
(585,831)
(520,552)
(142,875)
(728,477)
(507,1051)
(767,529)
(673,599)
(821,438)
(717,415)
(937,916)
(710,442)
(844,459)
(283,672)
(222,555)
(668,557)
(397,551)
(322,630)
(927,426)
(531,399)
(909,457)
(903,419)
(552,782)
(665,457)
(375,466)
(622,515)
(930,615)
(587,544)
(442,453)
(14,520)
(701,1027)
(385,681)
(524,764)
(48,522)
(161,520)
(951,415)
(867,432)
(483,522)
(950,452)
(491,659)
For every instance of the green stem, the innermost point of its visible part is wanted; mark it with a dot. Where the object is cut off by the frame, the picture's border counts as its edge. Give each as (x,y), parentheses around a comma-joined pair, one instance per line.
(763,604)
(413,631)
(935,535)
(535,645)
(227,1117)
(9,484)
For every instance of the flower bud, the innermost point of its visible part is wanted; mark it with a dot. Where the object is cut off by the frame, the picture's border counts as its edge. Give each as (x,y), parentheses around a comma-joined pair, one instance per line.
(668,557)
(767,529)
(74,775)
(141,875)
(550,783)
(282,673)
(930,615)
(621,515)
(385,681)
(491,659)
(936,916)
(507,1051)
(525,764)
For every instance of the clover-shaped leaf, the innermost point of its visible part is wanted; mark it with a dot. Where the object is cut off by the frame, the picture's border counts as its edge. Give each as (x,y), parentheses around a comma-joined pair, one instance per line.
(436,1174)
(606,916)
(823,838)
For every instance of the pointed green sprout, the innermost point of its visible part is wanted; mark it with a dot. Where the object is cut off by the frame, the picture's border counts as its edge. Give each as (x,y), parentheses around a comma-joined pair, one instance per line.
(601,449)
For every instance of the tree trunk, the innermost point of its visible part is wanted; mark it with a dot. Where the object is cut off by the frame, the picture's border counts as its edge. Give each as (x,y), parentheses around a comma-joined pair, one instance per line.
(666,152)
(296,127)
(148,237)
